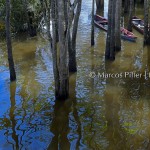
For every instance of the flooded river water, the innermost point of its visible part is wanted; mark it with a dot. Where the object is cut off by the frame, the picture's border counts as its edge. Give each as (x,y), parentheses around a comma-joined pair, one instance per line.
(101,113)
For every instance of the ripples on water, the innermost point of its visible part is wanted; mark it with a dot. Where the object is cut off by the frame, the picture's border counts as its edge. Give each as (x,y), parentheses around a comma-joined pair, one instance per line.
(100,113)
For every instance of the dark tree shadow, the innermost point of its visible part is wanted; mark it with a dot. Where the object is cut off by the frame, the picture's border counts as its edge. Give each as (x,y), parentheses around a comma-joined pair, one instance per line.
(12,115)
(114,133)
(60,126)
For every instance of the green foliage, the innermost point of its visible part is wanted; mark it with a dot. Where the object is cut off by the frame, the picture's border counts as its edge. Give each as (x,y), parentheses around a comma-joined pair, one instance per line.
(2,18)
(2,4)
(2,10)
(19,13)
(2,28)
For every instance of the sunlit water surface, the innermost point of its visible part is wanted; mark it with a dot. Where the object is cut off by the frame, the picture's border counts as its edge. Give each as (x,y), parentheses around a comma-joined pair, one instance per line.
(101,113)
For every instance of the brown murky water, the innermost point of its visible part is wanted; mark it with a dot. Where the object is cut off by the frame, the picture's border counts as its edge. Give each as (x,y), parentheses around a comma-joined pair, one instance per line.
(101,114)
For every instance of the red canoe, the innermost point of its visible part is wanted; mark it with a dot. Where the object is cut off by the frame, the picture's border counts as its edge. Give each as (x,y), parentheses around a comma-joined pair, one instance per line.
(102,23)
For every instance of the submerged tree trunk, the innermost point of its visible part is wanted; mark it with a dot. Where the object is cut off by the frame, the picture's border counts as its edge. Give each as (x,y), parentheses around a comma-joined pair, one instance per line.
(54,49)
(63,64)
(113,37)
(57,38)
(31,24)
(9,44)
(126,6)
(146,23)
(117,25)
(92,25)
(130,15)
(99,5)
(110,41)
(60,55)
(72,50)
(60,65)
(61,22)
(107,50)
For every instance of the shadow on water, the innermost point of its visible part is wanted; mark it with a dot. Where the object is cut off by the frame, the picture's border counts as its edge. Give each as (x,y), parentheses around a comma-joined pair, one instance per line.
(65,116)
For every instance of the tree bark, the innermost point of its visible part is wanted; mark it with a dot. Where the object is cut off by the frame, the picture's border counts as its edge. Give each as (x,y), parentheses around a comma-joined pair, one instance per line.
(57,38)
(61,22)
(54,49)
(9,44)
(117,25)
(113,37)
(146,23)
(72,50)
(110,46)
(107,50)
(130,15)
(99,5)
(63,64)
(92,25)
(126,6)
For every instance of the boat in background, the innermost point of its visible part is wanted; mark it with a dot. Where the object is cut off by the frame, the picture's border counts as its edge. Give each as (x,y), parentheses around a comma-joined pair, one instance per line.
(127,35)
(138,24)
(102,23)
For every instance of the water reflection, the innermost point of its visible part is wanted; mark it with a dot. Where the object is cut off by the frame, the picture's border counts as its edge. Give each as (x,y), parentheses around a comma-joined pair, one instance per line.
(114,133)
(60,126)
(106,8)
(15,136)
(65,121)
